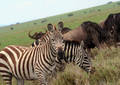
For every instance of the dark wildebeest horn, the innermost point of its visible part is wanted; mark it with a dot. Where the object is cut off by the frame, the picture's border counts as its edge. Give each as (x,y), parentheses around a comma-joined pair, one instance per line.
(32,36)
(36,35)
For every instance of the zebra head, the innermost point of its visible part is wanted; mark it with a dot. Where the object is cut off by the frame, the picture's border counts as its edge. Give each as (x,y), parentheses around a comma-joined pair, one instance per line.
(83,59)
(56,39)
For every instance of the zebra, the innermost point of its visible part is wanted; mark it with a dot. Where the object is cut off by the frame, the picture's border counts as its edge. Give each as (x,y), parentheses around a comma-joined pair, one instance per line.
(74,51)
(30,63)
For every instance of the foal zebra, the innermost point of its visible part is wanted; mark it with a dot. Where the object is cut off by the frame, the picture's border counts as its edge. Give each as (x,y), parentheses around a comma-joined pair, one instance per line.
(75,53)
(26,63)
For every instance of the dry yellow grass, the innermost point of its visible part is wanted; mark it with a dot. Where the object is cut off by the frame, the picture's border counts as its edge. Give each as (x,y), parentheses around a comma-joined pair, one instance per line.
(107,66)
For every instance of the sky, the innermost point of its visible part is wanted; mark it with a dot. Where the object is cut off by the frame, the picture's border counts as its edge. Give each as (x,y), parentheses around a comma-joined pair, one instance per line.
(13,11)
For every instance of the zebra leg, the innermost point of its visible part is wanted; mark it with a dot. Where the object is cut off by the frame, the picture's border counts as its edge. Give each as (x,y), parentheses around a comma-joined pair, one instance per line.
(41,76)
(7,78)
(42,79)
(20,82)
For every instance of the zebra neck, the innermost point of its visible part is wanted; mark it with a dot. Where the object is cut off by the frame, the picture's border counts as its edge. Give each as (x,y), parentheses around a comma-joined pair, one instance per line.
(52,51)
(47,51)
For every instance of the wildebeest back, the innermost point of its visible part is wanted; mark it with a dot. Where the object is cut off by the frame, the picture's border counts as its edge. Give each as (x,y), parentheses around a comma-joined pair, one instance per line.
(75,35)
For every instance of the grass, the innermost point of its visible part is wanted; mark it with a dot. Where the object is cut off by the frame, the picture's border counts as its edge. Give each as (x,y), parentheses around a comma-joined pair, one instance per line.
(107,71)
(106,61)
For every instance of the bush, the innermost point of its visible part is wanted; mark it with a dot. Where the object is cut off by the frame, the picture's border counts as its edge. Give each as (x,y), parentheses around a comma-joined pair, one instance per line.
(11,28)
(43,21)
(109,2)
(99,10)
(70,14)
(34,23)
(118,3)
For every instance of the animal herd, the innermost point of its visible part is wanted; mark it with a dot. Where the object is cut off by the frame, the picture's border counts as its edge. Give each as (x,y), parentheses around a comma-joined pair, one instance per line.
(52,50)
(100,35)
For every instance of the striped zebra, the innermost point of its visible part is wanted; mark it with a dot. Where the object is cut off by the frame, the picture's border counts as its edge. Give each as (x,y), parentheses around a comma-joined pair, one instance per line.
(74,52)
(29,63)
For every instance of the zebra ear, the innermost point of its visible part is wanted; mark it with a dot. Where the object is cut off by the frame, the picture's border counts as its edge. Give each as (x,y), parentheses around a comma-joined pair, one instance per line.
(50,27)
(60,25)
(82,43)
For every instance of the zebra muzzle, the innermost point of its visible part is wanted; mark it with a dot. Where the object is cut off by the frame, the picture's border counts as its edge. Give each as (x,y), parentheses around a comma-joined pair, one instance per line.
(60,54)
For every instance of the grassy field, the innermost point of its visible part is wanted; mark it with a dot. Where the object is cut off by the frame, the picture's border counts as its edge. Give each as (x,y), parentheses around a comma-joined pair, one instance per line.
(107,71)
(106,61)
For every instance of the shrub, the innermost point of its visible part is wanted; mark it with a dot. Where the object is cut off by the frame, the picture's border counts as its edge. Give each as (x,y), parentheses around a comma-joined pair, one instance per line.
(34,23)
(99,10)
(43,21)
(109,2)
(118,3)
(11,28)
(70,14)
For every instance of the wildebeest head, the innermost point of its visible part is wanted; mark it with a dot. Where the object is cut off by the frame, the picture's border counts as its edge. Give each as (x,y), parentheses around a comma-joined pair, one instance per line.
(95,34)
(112,27)
(36,35)
(64,29)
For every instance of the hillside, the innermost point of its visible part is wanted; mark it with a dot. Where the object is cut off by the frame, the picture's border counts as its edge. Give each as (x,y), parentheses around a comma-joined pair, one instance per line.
(18,33)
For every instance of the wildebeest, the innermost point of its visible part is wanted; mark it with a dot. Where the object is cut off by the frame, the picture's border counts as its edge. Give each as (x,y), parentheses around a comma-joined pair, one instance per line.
(112,27)
(36,35)
(64,29)
(91,33)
